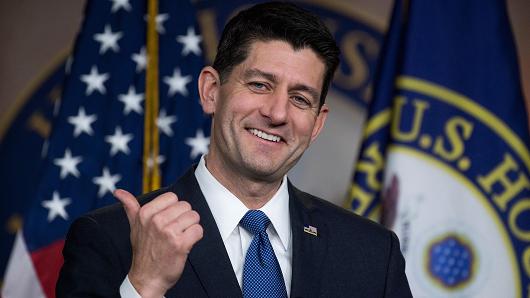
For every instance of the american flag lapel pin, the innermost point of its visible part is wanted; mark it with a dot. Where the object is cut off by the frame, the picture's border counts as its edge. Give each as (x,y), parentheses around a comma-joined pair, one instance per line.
(311,230)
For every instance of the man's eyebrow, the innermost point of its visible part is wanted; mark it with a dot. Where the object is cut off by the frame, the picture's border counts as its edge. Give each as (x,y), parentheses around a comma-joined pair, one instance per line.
(253,72)
(315,94)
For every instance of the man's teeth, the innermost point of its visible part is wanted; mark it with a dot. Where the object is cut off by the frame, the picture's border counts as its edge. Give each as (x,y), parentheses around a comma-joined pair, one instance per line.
(264,135)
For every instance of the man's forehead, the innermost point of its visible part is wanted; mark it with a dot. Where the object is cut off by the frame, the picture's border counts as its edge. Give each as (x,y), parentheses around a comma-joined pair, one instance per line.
(267,45)
(279,59)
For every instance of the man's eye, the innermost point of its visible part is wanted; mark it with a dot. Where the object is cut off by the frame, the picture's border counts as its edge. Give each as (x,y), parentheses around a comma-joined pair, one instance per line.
(258,86)
(301,101)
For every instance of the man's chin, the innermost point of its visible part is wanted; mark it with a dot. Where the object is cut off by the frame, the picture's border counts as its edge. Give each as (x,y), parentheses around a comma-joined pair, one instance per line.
(265,172)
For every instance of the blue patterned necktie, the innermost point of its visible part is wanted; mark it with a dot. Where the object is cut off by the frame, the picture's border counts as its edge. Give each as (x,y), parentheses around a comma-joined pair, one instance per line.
(262,275)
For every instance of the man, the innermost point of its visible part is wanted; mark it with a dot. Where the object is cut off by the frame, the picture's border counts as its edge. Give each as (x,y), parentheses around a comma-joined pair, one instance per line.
(199,237)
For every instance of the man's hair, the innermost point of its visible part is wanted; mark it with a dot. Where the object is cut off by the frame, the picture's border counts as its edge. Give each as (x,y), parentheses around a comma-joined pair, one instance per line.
(276,21)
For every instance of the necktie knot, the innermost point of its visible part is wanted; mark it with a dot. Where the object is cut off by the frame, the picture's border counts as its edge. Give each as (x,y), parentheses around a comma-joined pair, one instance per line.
(255,221)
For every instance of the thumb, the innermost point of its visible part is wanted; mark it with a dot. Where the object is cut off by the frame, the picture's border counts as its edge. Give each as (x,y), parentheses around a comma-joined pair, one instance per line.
(129,202)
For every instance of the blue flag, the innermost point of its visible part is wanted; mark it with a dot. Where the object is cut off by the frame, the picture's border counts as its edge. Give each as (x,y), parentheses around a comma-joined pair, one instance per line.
(21,159)
(96,143)
(445,159)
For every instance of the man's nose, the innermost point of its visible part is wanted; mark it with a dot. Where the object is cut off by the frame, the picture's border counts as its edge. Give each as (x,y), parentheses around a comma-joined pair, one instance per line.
(276,108)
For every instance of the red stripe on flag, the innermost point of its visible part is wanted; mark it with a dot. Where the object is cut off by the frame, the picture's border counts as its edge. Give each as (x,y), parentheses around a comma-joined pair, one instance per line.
(48,261)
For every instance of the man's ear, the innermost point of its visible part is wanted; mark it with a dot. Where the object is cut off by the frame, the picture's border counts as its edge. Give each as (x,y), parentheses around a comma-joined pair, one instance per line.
(319,123)
(209,83)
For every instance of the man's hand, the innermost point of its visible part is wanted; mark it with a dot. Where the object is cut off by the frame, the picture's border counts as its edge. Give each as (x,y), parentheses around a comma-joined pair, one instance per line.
(163,232)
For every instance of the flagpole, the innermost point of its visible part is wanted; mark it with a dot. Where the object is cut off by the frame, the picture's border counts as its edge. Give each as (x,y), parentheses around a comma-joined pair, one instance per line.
(151,170)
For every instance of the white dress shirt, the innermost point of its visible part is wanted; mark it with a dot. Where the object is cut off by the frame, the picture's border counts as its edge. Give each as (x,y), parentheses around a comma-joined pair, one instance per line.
(227,211)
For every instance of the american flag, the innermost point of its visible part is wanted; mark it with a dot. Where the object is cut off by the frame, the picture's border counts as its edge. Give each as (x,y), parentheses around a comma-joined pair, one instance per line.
(98,131)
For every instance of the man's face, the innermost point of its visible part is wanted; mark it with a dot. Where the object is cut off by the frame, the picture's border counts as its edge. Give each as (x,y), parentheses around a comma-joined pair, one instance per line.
(266,113)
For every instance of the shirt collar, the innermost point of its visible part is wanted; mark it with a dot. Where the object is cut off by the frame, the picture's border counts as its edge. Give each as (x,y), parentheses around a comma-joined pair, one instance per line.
(228,210)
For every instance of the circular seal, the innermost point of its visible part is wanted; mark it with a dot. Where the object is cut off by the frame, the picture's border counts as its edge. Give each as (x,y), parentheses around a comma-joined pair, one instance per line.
(454,185)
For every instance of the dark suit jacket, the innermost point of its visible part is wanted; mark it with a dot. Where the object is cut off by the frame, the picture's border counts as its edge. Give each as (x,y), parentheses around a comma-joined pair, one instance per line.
(350,257)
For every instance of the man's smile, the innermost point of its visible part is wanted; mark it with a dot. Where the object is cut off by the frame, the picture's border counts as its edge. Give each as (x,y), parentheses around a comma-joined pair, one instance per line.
(263,135)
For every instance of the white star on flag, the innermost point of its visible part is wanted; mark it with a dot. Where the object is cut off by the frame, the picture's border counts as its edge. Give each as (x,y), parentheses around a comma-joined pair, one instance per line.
(140,59)
(82,122)
(190,42)
(159,20)
(132,101)
(106,182)
(118,142)
(68,164)
(159,160)
(94,81)
(56,206)
(164,122)
(117,4)
(199,144)
(177,83)
(108,40)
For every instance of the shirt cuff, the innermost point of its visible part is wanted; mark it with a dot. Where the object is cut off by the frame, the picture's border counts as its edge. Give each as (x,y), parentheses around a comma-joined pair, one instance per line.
(127,290)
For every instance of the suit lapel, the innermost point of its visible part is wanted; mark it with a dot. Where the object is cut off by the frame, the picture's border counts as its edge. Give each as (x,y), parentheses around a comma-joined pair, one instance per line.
(309,251)
(208,258)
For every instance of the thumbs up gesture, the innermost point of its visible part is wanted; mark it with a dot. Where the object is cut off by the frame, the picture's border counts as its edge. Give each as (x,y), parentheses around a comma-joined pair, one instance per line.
(163,232)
